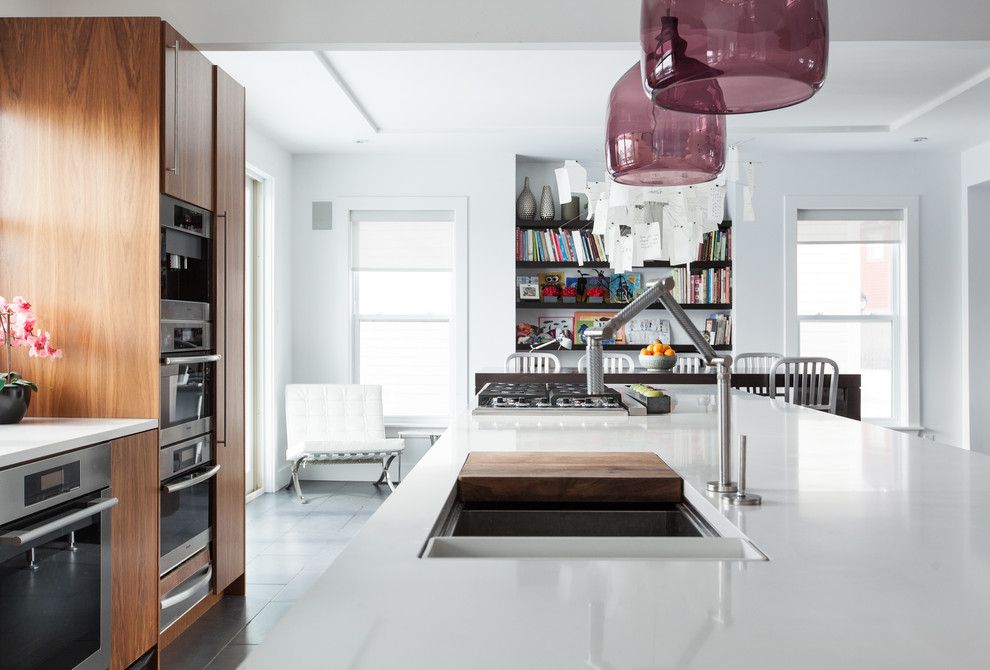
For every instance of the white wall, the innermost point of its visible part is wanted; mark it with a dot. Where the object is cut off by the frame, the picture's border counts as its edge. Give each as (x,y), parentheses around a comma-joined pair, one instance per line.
(319,274)
(759,264)
(269,158)
(976,278)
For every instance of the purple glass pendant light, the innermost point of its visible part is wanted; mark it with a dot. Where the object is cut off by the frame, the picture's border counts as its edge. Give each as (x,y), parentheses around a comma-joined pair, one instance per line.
(647,145)
(733,56)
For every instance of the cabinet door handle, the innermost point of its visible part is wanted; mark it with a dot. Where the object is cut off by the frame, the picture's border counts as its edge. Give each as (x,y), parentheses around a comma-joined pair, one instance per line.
(189,360)
(175,111)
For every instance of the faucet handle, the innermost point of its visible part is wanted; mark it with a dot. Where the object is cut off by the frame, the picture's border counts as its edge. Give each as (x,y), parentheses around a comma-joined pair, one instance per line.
(741,497)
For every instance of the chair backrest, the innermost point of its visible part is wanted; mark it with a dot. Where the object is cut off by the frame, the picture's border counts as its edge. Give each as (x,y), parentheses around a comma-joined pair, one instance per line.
(693,363)
(809,382)
(334,412)
(537,361)
(756,364)
(613,363)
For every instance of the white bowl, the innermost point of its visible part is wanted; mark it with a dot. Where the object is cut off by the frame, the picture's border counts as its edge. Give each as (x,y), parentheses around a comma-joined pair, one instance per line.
(658,363)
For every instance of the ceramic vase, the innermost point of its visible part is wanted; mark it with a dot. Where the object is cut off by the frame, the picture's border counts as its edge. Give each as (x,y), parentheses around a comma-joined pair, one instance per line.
(526,203)
(546,205)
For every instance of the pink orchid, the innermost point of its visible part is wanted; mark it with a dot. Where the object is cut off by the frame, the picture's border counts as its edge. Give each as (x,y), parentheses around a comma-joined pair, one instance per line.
(22,305)
(19,328)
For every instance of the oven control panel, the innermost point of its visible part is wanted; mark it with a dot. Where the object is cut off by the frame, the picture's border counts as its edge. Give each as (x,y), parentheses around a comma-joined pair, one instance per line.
(40,486)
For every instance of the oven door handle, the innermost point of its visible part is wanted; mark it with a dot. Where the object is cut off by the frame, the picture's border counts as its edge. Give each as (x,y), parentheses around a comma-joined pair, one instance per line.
(188,592)
(183,360)
(192,481)
(21,537)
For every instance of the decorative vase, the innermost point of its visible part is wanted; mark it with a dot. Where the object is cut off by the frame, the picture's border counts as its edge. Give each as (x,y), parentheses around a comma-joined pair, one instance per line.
(526,203)
(546,205)
(571,210)
(569,298)
(14,402)
(550,298)
(596,300)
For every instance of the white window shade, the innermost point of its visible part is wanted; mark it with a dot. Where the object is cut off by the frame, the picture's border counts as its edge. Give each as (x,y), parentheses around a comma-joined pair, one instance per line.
(841,225)
(402,240)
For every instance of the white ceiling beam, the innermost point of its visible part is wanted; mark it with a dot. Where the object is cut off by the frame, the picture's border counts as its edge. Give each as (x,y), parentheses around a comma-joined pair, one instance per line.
(392,24)
(939,100)
(348,93)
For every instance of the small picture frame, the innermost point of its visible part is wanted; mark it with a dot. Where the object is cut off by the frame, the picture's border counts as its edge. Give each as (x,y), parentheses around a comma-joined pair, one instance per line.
(529,291)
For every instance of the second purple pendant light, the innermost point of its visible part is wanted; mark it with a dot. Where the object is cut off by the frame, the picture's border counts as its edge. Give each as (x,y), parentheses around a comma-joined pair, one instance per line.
(702,59)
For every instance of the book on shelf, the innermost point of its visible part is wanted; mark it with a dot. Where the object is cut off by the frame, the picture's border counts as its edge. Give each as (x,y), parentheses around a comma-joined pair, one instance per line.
(708,287)
(716,246)
(559,246)
(718,330)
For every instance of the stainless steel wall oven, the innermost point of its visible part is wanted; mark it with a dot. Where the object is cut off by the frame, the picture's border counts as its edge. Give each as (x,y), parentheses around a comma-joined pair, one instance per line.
(55,517)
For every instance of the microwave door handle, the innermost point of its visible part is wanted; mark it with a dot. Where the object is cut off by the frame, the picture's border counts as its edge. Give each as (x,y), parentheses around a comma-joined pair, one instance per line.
(187,593)
(192,481)
(182,360)
(21,537)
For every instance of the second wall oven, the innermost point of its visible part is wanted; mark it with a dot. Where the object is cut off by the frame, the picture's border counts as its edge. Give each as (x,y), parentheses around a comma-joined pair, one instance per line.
(187,387)
(186,471)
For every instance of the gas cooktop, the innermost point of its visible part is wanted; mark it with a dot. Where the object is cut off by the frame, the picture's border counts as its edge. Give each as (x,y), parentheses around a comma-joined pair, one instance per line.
(500,397)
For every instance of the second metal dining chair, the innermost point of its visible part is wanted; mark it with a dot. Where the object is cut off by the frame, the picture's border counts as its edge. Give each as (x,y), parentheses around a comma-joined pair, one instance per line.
(809,382)
(756,364)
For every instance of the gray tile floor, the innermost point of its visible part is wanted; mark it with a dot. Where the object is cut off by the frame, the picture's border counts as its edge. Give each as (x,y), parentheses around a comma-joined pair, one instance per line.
(288,547)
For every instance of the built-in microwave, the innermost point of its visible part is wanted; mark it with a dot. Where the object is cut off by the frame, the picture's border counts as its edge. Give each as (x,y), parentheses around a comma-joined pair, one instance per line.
(185,327)
(187,396)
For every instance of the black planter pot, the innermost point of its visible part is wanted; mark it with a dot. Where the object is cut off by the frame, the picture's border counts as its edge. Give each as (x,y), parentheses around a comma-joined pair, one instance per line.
(14,402)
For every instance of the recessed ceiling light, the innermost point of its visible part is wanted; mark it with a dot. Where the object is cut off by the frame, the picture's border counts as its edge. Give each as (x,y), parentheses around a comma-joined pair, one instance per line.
(919,140)
(360,141)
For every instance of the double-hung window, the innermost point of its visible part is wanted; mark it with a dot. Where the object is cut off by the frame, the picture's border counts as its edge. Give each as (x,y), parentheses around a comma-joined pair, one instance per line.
(403,296)
(850,287)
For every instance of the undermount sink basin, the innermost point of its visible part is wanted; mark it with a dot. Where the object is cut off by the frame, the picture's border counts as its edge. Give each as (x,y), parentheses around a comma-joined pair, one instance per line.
(657,532)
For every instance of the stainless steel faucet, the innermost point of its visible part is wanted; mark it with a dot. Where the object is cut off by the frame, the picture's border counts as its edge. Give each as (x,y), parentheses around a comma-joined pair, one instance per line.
(660,290)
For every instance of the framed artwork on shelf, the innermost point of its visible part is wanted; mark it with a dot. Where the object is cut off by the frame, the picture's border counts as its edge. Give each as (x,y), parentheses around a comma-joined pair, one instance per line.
(646,329)
(556,328)
(624,286)
(594,320)
(528,334)
(529,291)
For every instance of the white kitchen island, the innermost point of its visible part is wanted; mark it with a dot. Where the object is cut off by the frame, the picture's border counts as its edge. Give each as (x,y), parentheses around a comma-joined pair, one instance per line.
(879,548)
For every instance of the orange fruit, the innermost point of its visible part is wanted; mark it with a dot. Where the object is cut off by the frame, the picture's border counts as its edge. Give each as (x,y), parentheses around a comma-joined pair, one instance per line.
(646,351)
(670,352)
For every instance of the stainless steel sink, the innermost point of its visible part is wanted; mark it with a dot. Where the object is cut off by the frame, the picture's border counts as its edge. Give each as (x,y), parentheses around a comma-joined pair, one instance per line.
(661,532)
(664,521)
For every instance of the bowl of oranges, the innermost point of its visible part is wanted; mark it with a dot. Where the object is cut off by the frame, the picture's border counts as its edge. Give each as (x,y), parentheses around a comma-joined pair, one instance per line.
(658,356)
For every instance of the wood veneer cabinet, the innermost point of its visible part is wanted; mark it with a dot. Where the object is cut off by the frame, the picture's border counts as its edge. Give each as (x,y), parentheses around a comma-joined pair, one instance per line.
(187,120)
(134,588)
(230,244)
(79,199)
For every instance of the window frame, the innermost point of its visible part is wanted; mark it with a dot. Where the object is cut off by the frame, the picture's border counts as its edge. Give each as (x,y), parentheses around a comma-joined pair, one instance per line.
(342,209)
(906,353)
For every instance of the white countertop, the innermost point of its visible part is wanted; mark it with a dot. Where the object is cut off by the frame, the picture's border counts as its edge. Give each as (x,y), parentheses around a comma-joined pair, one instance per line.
(879,548)
(35,438)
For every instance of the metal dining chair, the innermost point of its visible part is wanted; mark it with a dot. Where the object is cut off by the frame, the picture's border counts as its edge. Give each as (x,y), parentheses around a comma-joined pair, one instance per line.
(756,364)
(690,363)
(613,363)
(809,382)
(536,362)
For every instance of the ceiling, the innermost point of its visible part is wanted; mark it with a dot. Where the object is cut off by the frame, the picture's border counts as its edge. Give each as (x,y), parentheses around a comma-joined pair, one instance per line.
(551,102)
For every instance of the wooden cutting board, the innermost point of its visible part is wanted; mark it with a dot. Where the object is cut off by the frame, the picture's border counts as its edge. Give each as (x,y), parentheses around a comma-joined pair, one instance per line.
(540,476)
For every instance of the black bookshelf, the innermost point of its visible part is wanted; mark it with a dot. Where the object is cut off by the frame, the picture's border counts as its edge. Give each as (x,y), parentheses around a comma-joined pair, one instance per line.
(611,307)
(680,348)
(695,265)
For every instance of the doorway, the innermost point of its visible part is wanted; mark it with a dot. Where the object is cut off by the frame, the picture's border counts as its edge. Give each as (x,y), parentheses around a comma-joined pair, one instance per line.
(258,396)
